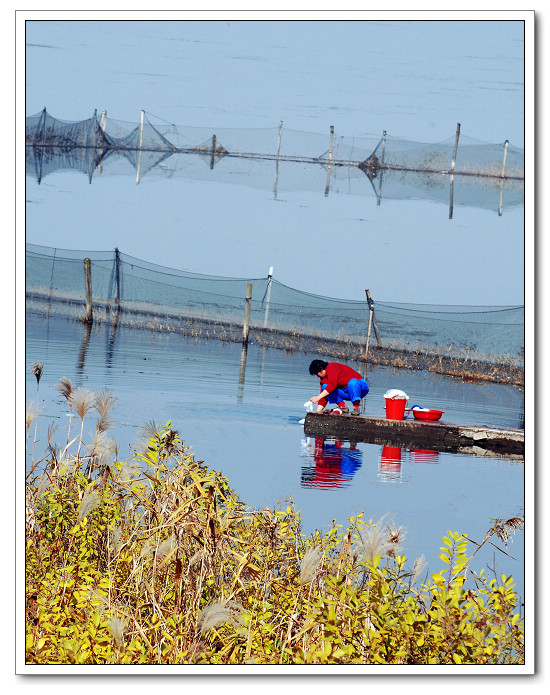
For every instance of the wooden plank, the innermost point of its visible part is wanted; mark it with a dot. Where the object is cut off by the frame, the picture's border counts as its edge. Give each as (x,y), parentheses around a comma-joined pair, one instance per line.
(438,436)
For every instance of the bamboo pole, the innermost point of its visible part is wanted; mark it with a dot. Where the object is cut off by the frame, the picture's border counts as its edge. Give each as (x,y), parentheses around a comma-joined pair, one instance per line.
(268,294)
(89,318)
(246,322)
(329,159)
(453,162)
(276,188)
(375,325)
(140,146)
(379,197)
(502,175)
(371,312)
(102,126)
(213,152)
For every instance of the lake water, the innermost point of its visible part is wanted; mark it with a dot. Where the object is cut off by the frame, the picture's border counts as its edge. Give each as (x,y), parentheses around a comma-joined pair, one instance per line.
(246,424)
(251,75)
(311,75)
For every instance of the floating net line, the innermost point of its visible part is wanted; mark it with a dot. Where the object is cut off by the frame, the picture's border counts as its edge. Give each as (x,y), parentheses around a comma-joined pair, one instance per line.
(464,170)
(146,290)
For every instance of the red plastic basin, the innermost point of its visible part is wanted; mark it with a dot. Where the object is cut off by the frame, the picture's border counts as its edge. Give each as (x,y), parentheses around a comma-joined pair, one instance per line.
(427,414)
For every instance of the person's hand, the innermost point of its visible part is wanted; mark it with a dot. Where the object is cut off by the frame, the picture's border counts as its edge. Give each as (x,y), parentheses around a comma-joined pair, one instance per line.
(314,399)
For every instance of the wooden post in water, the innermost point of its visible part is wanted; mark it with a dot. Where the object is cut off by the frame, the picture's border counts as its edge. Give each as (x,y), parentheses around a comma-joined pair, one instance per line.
(371,311)
(453,162)
(268,294)
(502,175)
(140,146)
(102,126)
(213,153)
(371,321)
(329,159)
(246,322)
(375,325)
(89,318)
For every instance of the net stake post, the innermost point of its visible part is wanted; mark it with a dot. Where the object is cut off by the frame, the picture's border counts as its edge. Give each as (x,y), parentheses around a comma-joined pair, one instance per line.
(246,322)
(89,318)
(453,162)
(329,159)
(502,179)
(138,174)
(375,325)
(268,294)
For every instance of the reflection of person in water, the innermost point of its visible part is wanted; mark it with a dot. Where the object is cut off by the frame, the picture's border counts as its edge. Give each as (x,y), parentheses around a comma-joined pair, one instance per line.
(334,464)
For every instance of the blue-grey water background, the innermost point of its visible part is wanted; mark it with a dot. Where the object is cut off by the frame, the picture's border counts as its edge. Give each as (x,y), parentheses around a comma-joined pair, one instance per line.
(310,75)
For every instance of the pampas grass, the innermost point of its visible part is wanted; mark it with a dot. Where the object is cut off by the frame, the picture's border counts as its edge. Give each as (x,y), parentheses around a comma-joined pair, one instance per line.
(310,563)
(36,369)
(90,501)
(82,401)
(65,387)
(219,613)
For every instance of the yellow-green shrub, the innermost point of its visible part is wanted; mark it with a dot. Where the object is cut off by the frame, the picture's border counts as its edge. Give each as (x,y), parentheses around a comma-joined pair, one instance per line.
(161,563)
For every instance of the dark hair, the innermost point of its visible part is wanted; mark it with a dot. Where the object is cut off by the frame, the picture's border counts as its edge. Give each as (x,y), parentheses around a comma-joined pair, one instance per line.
(317,366)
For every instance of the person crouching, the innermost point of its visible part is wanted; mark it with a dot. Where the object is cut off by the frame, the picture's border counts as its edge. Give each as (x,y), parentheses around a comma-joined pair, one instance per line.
(339,383)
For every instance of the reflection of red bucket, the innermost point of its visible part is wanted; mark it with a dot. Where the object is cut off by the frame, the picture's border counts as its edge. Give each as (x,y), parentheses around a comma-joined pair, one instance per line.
(424,456)
(395,408)
(391,454)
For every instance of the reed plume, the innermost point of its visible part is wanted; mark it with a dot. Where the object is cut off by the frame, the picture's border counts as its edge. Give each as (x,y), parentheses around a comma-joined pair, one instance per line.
(82,402)
(310,563)
(419,565)
(501,528)
(374,541)
(36,368)
(29,417)
(90,501)
(116,626)
(103,403)
(65,387)
(220,613)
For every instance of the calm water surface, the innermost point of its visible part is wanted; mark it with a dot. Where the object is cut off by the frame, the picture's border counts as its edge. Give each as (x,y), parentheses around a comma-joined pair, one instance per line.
(245,422)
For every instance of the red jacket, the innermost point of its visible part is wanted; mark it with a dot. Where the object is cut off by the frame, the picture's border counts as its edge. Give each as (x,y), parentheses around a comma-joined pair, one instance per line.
(337,376)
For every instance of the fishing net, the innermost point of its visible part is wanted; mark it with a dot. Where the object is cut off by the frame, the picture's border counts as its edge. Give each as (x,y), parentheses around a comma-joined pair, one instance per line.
(483,174)
(146,290)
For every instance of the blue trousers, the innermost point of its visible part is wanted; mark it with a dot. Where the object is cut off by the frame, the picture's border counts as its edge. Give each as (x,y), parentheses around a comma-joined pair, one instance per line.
(354,391)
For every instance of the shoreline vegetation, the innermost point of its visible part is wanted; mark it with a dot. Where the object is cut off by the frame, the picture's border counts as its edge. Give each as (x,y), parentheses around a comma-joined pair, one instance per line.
(157,561)
(460,364)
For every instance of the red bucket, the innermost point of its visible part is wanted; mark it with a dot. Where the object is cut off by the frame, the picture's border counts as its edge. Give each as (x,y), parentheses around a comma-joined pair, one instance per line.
(395,408)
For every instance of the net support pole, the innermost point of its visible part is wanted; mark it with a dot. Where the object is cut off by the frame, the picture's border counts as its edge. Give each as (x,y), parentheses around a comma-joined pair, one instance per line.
(213,152)
(379,196)
(374,324)
(371,312)
(453,162)
(268,295)
(140,146)
(502,177)
(89,318)
(102,126)
(329,159)
(246,322)
(117,276)
(276,187)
